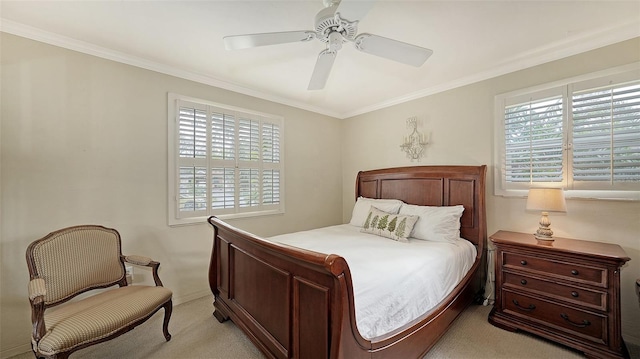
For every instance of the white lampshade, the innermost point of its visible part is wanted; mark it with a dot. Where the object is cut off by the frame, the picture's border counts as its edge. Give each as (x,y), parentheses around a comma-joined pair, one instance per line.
(546,199)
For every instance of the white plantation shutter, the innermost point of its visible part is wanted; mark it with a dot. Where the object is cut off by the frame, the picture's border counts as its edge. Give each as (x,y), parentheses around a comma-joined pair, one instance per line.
(193,133)
(534,141)
(271,164)
(248,140)
(270,143)
(193,189)
(223,155)
(192,153)
(248,156)
(226,161)
(271,187)
(249,188)
(223,136)
(606,134)
(223,184)
(583,136)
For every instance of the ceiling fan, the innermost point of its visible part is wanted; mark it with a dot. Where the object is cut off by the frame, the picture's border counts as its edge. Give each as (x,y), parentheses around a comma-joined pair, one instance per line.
(336,24)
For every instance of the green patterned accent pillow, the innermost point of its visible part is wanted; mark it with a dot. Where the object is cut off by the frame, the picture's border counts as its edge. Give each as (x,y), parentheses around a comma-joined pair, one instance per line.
(395,226)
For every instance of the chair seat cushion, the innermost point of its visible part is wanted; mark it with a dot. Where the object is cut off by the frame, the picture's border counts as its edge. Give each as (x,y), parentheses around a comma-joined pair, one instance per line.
(98,316)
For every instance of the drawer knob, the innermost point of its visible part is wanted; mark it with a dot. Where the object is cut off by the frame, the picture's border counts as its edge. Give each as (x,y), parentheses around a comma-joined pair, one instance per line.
(574,272)
(575,294)
(523,262)
(523,281)
(528,309)
(584,323)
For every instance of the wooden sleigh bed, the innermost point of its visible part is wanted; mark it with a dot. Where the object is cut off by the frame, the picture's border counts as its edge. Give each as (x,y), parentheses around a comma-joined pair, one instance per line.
(295,303)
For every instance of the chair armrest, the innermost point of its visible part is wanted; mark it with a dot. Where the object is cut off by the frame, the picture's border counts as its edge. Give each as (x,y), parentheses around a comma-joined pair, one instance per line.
(37,291)
(37,288)
(138,260)
(145,262)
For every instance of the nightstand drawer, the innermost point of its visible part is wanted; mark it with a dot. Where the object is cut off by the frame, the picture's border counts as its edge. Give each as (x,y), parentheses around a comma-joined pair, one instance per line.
(566,290)
(570,271)
(593,299)
(571,321)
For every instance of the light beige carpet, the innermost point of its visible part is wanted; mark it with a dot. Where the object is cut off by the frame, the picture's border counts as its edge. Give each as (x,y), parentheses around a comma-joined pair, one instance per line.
(197,334)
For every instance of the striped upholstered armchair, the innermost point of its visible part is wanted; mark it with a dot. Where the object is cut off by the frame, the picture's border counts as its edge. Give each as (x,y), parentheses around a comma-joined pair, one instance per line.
(75,260)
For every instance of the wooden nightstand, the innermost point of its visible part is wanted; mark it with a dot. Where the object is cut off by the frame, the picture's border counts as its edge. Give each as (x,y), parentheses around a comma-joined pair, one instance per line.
(566,290)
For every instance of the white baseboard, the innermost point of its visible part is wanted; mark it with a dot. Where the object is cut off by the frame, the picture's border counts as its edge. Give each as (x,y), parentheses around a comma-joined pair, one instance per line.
(20,349)
(192,296)
(631,339)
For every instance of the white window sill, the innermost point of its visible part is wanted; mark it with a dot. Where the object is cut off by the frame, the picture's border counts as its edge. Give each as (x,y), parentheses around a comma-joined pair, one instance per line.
(577,194)
(176,222)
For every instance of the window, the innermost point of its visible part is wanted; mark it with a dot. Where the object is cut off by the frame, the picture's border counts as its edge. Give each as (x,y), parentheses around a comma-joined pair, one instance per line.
(582,135)
(223,161)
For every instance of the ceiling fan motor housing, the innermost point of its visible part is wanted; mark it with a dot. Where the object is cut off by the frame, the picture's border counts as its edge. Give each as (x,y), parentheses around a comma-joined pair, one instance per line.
(328,22)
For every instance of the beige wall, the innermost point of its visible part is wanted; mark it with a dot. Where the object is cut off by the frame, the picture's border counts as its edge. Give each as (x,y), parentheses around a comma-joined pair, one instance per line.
(84,140)
(69,155)
(460,122)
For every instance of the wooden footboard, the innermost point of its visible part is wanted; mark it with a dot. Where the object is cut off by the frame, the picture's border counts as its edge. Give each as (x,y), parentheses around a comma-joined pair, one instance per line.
(292,303)
(295,303)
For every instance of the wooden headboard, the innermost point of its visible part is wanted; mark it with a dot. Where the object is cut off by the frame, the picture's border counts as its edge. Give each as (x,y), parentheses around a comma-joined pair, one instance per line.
(434,186)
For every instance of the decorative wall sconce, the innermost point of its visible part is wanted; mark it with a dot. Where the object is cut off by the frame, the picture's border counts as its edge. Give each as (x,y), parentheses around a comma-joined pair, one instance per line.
(415,143)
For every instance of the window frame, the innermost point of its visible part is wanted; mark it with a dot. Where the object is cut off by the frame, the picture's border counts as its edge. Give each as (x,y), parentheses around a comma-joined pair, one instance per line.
(623,191)
(174,216)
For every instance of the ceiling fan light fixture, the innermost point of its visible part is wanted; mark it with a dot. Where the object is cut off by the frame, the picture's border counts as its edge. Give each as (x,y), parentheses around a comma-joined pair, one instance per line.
(335,41)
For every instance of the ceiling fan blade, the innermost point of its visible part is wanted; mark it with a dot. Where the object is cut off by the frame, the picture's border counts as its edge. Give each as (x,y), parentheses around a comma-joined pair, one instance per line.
(354,10)
(236,42)
(392,49)
(322,70)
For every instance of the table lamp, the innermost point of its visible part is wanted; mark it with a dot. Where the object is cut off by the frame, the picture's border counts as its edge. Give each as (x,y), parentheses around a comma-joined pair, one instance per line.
(546,200)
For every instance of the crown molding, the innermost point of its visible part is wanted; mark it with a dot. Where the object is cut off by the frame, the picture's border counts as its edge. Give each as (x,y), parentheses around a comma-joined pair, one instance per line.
(555,51)
(33,33)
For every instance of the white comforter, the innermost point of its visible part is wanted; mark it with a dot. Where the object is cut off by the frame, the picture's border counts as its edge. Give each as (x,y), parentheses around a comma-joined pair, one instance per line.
(393,282)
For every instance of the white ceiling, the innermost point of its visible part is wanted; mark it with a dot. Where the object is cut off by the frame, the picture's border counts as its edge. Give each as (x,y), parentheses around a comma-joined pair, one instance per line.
(471,40)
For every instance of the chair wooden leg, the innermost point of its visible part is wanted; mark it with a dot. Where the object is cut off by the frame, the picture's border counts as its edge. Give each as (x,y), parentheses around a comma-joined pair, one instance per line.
(168,308)
(63,355)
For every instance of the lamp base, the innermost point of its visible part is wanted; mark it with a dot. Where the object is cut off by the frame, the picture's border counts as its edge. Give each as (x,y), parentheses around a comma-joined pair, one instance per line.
(544,232)
(543,237)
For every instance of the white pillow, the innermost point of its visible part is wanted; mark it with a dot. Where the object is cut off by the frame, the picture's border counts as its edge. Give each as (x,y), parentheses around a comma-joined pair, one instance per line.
(440,224)
(363,205)
(389,225)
